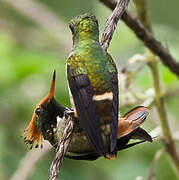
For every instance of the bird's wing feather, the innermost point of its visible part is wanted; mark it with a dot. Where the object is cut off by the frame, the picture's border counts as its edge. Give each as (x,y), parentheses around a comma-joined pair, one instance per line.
(115,104)
(82,92)
(141,134)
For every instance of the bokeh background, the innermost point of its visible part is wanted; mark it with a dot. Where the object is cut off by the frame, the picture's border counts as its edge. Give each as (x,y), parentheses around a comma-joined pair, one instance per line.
(35,40)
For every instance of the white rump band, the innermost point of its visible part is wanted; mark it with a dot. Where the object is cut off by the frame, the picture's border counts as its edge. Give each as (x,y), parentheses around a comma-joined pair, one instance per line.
(105,96)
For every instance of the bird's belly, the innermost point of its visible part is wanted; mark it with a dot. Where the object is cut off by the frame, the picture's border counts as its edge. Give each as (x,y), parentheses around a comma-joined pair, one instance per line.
(79,144)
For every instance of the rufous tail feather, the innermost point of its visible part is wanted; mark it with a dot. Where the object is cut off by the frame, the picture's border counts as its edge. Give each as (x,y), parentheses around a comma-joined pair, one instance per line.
(132,120)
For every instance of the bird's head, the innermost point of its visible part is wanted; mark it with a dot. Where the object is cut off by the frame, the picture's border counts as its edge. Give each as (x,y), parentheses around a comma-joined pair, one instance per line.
(84,26)
(44,118)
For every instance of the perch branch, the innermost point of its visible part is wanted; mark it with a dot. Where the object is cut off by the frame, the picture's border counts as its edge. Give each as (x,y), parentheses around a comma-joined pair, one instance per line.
(148,39)
(61,149)
(112,23)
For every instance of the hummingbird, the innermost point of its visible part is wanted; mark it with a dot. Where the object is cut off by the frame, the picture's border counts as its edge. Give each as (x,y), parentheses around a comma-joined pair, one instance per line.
(49,121)
(93,82)
(44,119)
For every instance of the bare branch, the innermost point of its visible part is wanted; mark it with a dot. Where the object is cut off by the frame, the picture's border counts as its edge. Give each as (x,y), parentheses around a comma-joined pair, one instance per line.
(45,18)
(154,163)
(112,23)
(61,149)
(159,101)
(148,39)
(29,161)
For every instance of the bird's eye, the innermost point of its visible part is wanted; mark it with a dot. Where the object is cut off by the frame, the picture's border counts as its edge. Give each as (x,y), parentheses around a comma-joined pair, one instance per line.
(37,111)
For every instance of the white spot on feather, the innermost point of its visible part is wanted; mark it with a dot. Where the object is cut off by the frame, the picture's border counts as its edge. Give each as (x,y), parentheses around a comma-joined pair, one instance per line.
(105,96)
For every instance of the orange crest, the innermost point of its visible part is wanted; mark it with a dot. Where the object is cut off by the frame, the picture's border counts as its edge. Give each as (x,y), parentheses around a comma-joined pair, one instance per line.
(32,134)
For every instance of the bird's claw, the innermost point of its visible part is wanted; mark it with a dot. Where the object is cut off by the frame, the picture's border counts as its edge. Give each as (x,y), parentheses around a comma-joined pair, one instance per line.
(68,111)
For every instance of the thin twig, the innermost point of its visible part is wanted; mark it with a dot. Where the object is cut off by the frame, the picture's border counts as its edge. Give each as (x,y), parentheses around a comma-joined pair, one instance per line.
(45,18)
(112,23)
(154,163)
(29,161)
(148,39)
(61,149)
(159,100)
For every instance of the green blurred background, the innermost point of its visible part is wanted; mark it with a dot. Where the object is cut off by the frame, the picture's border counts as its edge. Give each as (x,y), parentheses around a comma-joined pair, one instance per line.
(34,43)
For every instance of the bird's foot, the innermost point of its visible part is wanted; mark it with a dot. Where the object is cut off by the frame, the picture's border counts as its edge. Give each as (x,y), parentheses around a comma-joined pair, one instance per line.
(68,111)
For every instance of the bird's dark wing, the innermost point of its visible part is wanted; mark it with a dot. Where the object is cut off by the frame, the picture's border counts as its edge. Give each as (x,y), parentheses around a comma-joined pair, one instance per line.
(141,134)
(90,156)
(82,92)
(115,104)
